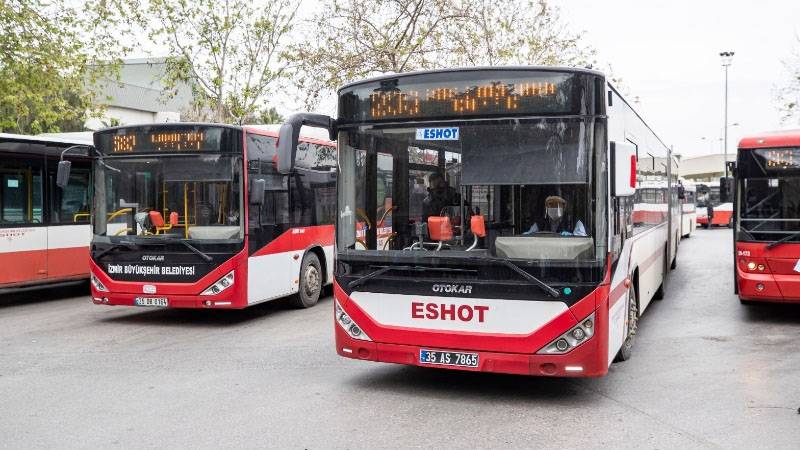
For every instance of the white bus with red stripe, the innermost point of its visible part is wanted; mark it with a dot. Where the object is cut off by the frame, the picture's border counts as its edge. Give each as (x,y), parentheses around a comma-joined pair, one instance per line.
(688,207)
(452,263)
(44,230)
(197,216)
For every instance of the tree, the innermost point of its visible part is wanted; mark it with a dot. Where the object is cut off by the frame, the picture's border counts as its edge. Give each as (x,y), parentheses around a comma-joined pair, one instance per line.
(354,39)
(230,51)
(788,97)
(46,74)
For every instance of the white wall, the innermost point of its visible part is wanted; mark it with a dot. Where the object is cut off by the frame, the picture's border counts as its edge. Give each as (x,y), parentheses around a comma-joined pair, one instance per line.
(131,117)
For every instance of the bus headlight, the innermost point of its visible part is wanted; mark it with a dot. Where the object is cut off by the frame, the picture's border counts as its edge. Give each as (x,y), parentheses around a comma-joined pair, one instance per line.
(574,337)
(220,285)
(97,284)
(347,324)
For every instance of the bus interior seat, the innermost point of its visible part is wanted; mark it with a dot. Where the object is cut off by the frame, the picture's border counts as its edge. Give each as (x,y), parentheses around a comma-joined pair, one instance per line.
(551,247)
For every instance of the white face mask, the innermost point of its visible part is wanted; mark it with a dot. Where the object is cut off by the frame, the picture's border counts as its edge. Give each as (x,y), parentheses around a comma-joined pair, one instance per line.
(555,213)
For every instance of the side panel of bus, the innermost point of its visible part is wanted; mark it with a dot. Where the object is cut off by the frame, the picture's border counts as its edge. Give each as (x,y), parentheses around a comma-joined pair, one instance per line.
(295,219)
(43,236)
(639,227)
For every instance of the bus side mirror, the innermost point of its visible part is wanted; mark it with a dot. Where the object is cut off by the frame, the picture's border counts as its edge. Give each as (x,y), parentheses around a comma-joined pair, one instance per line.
(289,136)
(623,169)
(62,176)
(257,188)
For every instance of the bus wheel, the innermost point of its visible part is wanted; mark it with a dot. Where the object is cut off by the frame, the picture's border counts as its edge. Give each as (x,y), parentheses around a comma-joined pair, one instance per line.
(626,350)
(310,282)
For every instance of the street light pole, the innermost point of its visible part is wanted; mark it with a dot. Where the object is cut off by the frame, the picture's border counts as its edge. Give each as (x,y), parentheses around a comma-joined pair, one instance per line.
(727,58)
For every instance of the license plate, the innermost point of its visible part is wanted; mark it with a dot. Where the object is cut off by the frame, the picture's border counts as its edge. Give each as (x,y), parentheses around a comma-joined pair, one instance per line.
(151,301)
(448,358)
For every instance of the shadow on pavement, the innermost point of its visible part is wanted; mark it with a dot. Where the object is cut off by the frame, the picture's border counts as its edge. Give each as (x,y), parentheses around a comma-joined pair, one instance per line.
(46,294)
(443,383)
(777,313)
(205,317)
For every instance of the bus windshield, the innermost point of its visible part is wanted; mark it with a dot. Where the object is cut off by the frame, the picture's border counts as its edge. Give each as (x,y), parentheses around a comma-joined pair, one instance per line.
(195,197)
(505,188)
(769,193)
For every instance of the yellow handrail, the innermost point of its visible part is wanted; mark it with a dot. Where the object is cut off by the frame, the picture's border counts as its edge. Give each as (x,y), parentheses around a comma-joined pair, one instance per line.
(80,214)
(119,212)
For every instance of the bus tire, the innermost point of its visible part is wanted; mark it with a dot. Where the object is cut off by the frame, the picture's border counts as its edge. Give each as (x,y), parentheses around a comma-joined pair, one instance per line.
(310,283)
(626,350)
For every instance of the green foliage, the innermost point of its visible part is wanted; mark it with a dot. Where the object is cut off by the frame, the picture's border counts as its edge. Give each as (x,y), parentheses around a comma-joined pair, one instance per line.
(46,49)
(230,51)
(352,39)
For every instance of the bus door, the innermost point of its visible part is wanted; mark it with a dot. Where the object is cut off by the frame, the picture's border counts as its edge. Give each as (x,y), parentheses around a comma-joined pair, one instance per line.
(68,230)
(23,253)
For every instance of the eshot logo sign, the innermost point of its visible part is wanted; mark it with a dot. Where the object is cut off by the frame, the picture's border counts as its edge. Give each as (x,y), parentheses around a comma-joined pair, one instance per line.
(437,134)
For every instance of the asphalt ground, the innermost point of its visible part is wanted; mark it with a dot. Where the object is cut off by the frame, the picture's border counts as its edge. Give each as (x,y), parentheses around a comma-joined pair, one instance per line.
(707,372)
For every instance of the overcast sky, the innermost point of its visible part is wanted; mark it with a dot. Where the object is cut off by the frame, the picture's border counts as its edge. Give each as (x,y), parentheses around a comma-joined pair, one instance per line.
(667,53)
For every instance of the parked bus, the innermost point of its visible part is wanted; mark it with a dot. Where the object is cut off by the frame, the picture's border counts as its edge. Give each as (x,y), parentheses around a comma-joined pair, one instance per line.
(196,216)
(44,231)
(688,208)
(767,220)
(721,204)
(519,254)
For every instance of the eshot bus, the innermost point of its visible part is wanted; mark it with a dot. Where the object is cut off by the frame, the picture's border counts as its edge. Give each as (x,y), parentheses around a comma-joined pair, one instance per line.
(505,241)
(688,208)
(197,216)
(44,230)
(767,220)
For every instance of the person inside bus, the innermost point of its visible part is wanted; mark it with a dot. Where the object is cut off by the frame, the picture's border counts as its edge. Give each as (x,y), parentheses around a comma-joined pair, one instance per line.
(440,196)
(556,220)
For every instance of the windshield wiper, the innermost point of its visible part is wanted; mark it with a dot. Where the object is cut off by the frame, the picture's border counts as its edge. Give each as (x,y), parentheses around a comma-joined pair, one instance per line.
(553,293)
(199,253)
(364,278)
(112,247)
(782,240)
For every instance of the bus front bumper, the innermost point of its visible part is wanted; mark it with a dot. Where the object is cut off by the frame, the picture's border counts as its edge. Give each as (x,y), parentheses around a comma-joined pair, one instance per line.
(584,361)
(767,287)
(172,300)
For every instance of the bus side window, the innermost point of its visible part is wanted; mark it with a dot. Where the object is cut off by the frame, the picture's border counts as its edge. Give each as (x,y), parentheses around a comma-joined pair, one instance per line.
(20,194)
(71,204)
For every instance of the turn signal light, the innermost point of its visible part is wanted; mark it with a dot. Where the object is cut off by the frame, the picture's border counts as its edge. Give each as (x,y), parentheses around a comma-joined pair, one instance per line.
(347,324)
(754,265)
(220,285)
(574,337)
(98,285)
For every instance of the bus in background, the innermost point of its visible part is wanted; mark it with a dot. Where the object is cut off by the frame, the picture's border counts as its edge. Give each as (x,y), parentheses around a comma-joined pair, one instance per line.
(767,221)
(196,216)
(522,256)
(44,230)
(688,208)
(721,204)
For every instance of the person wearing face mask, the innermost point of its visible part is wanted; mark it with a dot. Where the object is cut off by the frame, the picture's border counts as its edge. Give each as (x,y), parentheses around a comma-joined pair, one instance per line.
(440,195)
(556,220)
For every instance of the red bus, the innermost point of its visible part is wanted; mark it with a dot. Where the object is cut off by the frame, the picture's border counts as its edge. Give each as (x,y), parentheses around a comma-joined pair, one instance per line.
(485,220)
(767,219)
(44,230)
(197,216)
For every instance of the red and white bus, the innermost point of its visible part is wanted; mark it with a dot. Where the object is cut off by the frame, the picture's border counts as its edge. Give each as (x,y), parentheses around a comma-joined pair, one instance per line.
(197,216)
(44,230)
(688,208)
(721,204)
(505,240)
(767,219)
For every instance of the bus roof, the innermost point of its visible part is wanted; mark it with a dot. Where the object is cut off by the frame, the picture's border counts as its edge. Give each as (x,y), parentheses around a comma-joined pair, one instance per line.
(474,69)
(77,140)
(780,138)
